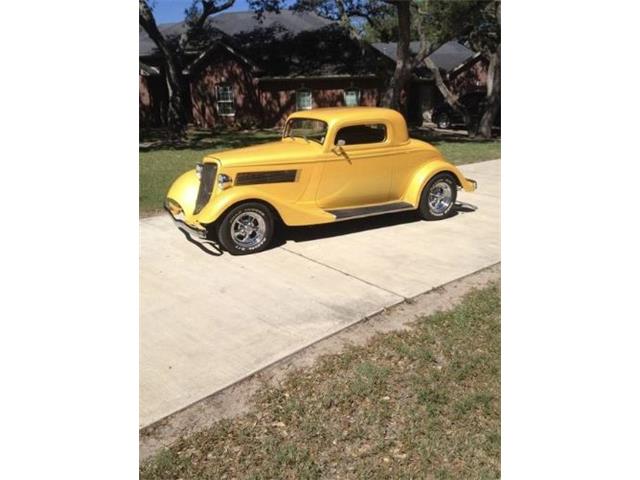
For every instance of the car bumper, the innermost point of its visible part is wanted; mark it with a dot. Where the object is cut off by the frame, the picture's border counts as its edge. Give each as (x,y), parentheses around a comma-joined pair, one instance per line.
(472,185)
(177,217)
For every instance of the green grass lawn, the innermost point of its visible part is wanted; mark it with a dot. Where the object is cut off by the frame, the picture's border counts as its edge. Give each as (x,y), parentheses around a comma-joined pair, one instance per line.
(159,167)
(418,403)
(460,153)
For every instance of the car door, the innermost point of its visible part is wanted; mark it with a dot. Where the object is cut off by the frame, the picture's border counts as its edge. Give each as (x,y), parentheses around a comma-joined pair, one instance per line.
(359,172)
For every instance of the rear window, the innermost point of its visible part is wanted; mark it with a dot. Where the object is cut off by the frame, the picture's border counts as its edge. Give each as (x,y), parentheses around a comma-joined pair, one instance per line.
(362,134)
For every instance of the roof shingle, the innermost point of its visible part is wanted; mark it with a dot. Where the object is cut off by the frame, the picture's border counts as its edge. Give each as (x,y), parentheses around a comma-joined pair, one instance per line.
(447,57)
(235,23)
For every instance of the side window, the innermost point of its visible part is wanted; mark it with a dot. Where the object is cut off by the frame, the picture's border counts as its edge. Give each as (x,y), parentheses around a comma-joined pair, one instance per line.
(226,106)
(362,134)
(304,101)
(352,97)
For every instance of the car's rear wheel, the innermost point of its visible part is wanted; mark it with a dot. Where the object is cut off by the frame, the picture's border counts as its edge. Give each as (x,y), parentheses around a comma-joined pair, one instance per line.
(444,121)
(438,197)
(247,228)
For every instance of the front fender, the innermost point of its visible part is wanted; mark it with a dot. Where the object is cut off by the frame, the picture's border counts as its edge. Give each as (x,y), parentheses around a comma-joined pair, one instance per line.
(427,172)
(184,191)
(303,213)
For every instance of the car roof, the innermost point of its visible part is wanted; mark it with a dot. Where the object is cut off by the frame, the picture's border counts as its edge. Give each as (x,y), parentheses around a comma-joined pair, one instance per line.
(341,115)
(332,114)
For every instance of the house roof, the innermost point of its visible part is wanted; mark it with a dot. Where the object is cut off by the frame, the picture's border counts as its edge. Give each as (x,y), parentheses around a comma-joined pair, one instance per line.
(236,23)
(447,57)
(326,51)
(233,23)
(285,45)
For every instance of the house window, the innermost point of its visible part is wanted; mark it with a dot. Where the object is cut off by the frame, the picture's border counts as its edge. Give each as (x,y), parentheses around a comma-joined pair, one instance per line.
(304,100)
(352,97)
(225,102)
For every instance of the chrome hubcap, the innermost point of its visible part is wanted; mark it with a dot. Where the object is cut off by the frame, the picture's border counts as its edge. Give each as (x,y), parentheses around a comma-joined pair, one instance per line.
(248,229)
(440,196)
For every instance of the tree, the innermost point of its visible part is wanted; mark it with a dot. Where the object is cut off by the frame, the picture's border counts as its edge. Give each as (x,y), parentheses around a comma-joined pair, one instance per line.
(435,22)
(345,11)
(405,61)
(478,23)
(385,29)
(373,11)
(172,52)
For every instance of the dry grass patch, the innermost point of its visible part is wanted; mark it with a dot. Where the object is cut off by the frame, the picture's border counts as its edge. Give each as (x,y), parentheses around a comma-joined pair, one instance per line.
(419,403)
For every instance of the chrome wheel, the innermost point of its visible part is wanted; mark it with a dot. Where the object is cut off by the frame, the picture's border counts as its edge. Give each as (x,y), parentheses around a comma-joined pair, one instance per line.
(443,121)
(248,229)
(440,197)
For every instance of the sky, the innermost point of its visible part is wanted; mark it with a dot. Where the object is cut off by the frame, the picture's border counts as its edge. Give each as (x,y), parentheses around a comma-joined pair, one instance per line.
(167,11)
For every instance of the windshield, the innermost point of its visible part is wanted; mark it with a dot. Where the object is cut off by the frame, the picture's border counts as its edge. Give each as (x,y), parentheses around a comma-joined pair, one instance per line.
(306,128)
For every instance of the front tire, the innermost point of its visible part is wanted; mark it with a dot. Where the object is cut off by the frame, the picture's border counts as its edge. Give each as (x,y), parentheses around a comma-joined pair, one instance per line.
(438,197)
(247,228)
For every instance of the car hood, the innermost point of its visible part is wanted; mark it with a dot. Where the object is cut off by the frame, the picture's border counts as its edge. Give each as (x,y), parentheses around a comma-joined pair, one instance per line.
(287,150)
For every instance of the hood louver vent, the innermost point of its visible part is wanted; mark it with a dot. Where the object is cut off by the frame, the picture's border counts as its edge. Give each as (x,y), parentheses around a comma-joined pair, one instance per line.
(275,176)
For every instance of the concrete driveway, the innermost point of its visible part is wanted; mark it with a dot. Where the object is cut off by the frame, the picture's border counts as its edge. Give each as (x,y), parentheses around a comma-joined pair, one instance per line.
(209,320)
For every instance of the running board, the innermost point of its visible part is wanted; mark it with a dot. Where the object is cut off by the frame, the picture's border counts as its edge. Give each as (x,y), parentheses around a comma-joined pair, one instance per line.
(348,213)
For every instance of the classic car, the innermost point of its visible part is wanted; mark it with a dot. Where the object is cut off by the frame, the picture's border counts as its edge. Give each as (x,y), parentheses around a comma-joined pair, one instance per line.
(331,164)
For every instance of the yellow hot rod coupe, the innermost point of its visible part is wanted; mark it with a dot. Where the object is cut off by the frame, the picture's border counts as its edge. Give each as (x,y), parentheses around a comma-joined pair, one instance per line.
(332,164)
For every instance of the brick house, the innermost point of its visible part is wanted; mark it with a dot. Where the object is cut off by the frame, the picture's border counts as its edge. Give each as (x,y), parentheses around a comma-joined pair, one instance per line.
(256,73)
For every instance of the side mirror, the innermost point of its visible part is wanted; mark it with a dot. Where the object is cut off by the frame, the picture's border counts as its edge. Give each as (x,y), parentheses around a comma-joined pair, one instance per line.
(338,148)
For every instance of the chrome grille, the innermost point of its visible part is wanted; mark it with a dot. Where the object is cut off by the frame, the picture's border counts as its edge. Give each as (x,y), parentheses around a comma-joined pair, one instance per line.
(207,181)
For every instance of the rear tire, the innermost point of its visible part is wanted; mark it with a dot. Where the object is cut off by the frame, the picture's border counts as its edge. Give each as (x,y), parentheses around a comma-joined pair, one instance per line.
(443,121)
(247,228)
(438,197)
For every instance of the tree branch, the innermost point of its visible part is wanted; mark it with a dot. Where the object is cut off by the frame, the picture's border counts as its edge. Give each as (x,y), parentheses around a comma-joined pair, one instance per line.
(209,7)
(148,23)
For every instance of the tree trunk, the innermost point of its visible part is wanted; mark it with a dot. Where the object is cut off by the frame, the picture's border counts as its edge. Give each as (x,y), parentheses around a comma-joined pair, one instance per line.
(402,73)
(493,96)
(176,118)
(450,97)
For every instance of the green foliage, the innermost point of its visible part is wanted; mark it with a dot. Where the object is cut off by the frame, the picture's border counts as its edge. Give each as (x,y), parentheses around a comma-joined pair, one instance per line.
(356,14)
(474,21)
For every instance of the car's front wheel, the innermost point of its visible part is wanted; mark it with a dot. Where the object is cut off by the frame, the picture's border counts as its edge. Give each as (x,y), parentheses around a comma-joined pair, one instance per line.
(247,228)
(438,197)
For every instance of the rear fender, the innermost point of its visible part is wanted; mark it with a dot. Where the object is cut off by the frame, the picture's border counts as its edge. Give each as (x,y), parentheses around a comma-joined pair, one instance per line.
(427,172)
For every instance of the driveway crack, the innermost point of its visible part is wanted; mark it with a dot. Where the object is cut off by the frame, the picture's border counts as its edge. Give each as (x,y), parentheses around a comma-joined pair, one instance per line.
(345,273)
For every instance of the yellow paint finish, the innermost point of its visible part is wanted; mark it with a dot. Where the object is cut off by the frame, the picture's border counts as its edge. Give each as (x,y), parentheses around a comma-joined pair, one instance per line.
(396,169)
(282,152)
(184,191)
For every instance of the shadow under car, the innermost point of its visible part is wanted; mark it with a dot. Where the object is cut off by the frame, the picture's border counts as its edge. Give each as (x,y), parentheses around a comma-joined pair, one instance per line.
(284,233)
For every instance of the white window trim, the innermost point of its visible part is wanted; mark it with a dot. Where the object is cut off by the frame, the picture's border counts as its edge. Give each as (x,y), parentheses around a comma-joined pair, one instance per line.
(232,101)
(304,90)
(357,90)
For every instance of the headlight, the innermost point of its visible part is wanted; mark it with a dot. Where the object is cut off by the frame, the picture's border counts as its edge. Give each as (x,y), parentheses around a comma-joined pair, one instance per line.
(199,170)
(224,181)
